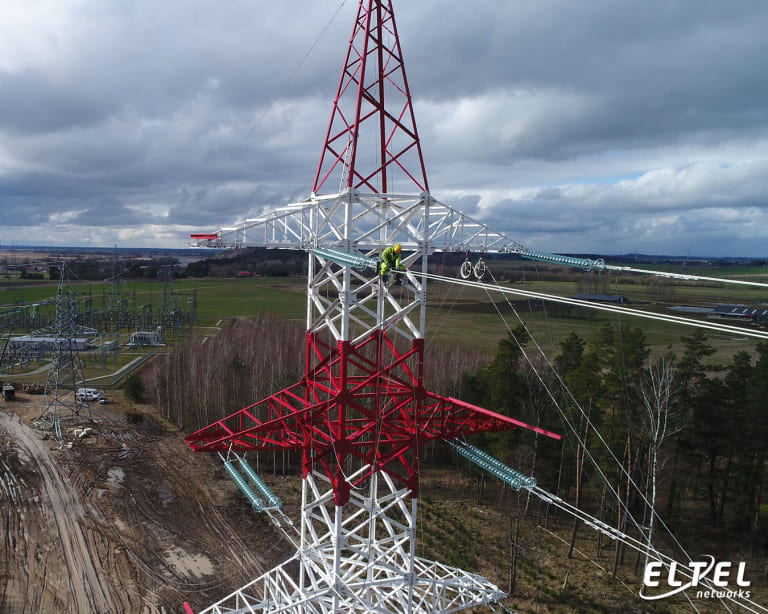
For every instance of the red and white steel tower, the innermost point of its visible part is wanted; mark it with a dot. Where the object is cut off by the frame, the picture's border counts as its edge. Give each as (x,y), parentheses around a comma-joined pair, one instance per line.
(361,412)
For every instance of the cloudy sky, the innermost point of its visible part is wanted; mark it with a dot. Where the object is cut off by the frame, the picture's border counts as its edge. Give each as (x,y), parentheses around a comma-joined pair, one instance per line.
(600,125)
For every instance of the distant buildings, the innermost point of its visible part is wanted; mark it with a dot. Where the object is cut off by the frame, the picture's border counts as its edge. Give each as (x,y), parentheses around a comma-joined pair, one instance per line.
(742,313)
(602,298)
(47,344)
(145,338)
(690,309)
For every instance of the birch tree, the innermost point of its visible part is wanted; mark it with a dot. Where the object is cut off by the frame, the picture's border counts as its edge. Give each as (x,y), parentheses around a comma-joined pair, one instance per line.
(656,391)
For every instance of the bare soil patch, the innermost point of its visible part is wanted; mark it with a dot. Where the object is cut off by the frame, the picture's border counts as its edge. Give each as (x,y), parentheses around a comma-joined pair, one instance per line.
(128,520)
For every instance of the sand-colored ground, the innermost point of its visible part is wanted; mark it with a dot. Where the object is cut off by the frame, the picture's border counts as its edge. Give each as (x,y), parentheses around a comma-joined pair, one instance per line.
(129,520)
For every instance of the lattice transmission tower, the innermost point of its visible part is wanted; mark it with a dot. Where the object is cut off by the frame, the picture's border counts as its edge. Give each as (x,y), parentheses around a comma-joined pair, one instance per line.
(65,372)
(116,301)
(362,412)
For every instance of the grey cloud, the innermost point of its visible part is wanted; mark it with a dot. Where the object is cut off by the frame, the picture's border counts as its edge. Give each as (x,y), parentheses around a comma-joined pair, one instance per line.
(549,194)
(110,212)
(140,113)
(467,204)
(16,212)
(208,206)
(648,73)
(31,102)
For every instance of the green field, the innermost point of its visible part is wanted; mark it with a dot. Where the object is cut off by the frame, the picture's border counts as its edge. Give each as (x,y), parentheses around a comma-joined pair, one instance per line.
(462,315)
(227,298)
(735,271)
(218,298)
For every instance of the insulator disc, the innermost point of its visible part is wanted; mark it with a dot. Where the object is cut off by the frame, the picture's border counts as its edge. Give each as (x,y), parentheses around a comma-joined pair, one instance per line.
(480,269)
(466,269)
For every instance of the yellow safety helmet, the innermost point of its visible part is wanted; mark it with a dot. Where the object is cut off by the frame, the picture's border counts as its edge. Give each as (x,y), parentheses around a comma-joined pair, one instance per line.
(398,249)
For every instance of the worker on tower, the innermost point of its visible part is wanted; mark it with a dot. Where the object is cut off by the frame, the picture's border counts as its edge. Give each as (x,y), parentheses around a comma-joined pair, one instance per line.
(390,260)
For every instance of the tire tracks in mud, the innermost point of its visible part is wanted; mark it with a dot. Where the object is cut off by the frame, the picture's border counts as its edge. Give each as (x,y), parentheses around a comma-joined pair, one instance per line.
(146,531)
(86,578)
(125,522)
(23,568)
(244,561)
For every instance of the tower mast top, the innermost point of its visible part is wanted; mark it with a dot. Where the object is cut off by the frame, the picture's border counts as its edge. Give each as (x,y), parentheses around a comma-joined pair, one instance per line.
(373,105)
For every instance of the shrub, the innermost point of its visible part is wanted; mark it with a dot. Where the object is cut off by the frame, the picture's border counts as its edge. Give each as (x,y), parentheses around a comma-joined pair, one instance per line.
(134,388)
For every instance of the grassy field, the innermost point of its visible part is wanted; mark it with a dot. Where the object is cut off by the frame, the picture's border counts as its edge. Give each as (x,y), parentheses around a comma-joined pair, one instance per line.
(217,298)
(466,314)
(709,271)
(463,315)
(481,331)
(222,298)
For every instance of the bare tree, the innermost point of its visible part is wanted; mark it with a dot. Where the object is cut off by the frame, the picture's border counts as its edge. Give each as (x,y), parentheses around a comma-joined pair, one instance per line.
(656,391)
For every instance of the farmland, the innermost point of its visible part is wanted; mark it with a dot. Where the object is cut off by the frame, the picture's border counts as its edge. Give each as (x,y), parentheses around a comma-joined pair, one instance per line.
(462,315)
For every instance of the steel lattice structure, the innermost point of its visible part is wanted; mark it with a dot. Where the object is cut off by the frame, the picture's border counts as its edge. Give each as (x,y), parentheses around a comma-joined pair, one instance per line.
(360,558)
(362,411)
(65,372)
(376,219)
(373,105)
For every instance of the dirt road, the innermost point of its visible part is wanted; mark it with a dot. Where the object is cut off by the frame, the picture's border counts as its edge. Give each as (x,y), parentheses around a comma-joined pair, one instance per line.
(128,521)
(59,501)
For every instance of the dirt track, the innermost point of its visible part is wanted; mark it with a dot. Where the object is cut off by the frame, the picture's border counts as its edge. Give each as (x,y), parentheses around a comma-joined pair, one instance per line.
(88,590)
(128,521)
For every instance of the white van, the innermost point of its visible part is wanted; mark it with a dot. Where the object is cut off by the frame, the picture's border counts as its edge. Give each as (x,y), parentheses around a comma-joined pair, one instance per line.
(89,394)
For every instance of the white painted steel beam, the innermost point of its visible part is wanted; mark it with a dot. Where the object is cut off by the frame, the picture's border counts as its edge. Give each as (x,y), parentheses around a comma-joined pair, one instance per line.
(359,558)
(371,223)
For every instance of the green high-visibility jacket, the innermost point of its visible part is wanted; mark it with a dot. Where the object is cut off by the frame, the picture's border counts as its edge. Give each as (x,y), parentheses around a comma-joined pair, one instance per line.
(390,260)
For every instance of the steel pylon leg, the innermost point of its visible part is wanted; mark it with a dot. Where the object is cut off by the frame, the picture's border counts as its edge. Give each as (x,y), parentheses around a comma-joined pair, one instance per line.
(360,557)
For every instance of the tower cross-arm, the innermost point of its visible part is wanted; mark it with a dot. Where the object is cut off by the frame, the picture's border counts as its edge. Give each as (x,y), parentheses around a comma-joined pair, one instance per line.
(318,222)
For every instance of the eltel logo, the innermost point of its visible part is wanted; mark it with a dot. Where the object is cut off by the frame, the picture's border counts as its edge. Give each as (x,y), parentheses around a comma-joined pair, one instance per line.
(682,578)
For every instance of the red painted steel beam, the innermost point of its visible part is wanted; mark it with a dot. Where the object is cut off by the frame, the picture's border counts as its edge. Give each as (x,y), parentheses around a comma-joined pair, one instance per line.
(367,401)
(372,84)
(210,236)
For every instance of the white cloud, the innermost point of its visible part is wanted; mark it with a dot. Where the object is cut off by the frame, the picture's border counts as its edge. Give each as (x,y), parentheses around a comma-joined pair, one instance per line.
(703,204)
(503,124)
